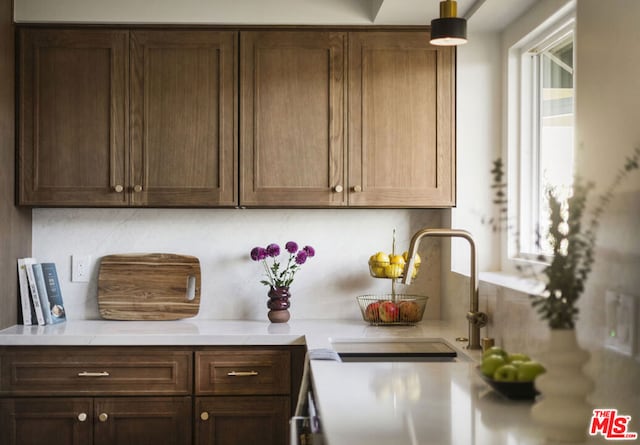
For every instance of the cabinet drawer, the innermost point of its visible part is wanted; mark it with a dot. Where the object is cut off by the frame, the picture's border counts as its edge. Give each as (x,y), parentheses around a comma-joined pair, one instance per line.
(95,371)
(237,372)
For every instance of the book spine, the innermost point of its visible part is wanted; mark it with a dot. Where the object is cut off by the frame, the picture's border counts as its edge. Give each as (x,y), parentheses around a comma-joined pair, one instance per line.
(52,284)
(42,292)
(24,292)
(35,297)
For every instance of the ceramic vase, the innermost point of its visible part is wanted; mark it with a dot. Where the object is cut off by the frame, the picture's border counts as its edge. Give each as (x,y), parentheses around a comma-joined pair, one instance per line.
(562,411)
(279,304)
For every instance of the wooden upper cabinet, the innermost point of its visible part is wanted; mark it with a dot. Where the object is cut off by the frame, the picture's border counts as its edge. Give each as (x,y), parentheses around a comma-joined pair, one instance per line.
(292,144)
(73,100)
(401,121)
(183,124)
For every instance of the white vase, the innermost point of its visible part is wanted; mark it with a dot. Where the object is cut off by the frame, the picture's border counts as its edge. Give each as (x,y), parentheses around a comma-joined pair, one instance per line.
(562,411)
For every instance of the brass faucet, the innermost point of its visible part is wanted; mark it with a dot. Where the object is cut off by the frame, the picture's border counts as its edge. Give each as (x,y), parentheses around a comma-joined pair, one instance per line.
(476,318)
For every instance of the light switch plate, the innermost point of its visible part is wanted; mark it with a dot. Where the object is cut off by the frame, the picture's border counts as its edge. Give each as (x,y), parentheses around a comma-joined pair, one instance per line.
(621,317)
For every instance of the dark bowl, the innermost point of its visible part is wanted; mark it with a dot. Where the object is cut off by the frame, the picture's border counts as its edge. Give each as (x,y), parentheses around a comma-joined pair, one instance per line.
(512,390)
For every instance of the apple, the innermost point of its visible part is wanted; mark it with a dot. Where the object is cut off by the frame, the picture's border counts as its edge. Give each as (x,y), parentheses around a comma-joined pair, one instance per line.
(388,311)
(371,312)
(495,350)
(506,373)
(516,363)
(517,356)
(528,371)
(490,363)
(409,311)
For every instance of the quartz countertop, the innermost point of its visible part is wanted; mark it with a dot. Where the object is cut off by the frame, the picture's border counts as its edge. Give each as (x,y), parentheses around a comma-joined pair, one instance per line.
(359,403)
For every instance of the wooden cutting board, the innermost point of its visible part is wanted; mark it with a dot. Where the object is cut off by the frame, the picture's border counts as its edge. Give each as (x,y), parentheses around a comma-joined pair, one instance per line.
(156,286)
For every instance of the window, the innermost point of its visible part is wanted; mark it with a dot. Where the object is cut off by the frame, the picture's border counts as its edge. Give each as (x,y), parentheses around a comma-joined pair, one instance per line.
(545,149)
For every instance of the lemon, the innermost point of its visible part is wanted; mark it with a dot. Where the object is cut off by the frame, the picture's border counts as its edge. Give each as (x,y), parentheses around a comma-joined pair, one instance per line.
(382,258)
(393,270)
(405,255)
(397,259)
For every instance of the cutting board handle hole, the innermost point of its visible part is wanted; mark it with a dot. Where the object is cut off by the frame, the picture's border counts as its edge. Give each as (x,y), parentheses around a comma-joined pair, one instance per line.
(191,287)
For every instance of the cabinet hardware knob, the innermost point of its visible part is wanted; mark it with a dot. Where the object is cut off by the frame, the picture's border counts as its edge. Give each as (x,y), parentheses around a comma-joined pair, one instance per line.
(82,417)
(103,417)
(356,188)
(137,188)
(242,373)
(93,374)
(118,188)
(338,189)
(204,415)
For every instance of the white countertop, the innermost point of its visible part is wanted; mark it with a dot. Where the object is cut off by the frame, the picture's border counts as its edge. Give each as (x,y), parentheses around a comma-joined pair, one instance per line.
(359,403)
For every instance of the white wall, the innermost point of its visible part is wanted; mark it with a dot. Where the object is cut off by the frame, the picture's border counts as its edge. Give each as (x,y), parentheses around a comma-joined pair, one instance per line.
(607,111)
(325,287)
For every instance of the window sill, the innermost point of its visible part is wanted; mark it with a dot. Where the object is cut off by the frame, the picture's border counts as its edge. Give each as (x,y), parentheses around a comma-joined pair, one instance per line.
(518,283)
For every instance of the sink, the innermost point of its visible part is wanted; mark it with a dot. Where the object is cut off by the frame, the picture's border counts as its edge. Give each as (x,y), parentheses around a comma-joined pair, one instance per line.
(396,350)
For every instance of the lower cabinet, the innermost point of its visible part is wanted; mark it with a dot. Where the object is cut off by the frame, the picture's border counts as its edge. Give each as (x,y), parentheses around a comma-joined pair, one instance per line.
(242,420)
(97,421)
(153,395)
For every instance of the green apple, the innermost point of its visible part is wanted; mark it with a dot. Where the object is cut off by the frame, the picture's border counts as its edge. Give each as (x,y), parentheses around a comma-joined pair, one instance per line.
(490,363)
(516,363)
(518,356)
(495,350)
(529,370)
(506,373)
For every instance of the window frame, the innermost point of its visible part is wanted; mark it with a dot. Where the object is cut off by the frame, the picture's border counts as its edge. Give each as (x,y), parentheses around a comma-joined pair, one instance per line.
(522,153)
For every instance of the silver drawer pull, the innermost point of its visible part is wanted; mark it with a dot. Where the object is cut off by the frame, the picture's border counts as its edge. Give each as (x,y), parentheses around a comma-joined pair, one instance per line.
(93,374)
(242,373)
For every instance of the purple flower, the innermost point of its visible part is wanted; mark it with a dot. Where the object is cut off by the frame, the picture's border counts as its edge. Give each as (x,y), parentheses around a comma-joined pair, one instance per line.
(301,257)
(310,251)
(258,254)
(273,250)
(291,246)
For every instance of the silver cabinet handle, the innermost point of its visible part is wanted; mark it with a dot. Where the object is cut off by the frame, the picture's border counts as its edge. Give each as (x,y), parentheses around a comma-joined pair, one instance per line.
(103,417)
(82,417)
(93,374)
(118,188)
(242,373)
(137,188)
(338,189)
(356,188)
(204,415)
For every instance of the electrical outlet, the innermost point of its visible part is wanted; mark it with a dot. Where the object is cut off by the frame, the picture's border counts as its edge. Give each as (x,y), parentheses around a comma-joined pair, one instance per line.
(80,268)
(620,313)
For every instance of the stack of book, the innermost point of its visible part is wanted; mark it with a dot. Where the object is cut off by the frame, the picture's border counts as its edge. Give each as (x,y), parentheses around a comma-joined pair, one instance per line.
(40,293)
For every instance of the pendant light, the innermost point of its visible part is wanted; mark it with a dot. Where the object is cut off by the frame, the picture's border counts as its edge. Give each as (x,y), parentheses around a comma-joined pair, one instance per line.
(448,30)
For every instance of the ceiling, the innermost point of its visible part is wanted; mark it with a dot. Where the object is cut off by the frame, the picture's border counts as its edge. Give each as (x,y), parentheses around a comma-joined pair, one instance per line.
(483,15)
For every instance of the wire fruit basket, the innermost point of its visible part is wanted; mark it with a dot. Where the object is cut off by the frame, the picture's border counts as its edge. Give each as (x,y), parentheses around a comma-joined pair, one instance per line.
(392,309)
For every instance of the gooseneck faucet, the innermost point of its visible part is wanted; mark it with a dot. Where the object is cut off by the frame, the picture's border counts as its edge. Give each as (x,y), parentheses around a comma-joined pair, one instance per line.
(476,318)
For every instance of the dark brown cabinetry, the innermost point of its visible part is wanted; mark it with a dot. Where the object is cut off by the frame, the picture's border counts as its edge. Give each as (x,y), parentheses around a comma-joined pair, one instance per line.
(161,118)
(292,118)
(397,99)
(135,395)
(116,118)
(73,111)
(250,398)
(401,121)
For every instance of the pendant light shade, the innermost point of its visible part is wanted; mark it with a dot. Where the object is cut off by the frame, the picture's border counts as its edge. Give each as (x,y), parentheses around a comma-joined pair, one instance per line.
(448,30)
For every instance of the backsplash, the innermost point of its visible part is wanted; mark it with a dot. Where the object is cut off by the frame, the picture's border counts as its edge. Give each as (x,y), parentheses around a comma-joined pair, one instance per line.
(325,287)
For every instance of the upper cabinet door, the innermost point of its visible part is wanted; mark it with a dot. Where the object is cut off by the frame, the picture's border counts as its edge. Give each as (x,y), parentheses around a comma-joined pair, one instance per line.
(401,121)
(292,118)
(183,118)
(73,96)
